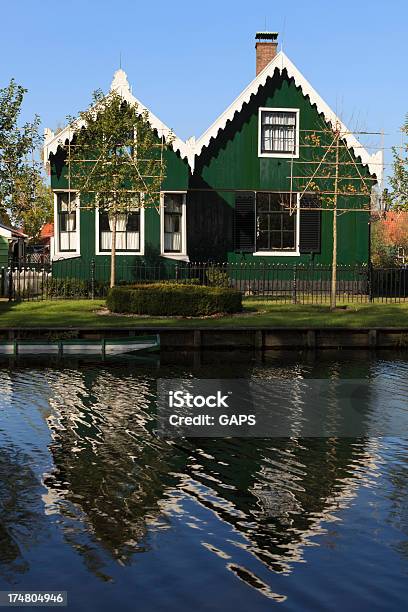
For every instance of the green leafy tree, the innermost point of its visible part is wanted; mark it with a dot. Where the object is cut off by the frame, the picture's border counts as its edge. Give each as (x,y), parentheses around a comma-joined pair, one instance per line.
(115,160)
(383,254)
(397,196)
(19,170)
(389,246)
(39,210)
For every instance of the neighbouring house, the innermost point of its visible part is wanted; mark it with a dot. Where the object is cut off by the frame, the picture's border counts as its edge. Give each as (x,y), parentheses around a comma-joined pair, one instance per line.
(39,252)
(222,197)
(46,235)
(12,245)
(45,242)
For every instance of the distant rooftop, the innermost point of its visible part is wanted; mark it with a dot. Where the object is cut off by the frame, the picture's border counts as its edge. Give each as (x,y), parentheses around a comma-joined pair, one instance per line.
(14,231)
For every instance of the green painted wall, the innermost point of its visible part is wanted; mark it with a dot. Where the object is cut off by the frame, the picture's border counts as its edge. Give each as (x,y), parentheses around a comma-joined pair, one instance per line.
(176,179)
(230,163)
(3,251)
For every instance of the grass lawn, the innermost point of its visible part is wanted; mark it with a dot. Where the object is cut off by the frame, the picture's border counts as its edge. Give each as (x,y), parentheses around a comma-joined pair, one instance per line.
(260,313)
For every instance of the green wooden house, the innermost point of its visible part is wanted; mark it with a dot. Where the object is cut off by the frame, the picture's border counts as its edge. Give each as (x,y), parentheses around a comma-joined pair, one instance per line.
(230,195)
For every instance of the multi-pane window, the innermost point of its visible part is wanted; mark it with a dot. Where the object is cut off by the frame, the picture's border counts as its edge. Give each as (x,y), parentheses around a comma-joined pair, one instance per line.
(173,222)
(126,148)
(278,131)
(275,222)
(67,229)
(127,231)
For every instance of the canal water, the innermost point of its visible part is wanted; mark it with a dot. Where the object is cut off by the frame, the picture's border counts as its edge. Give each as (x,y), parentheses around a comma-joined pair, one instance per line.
(93,503)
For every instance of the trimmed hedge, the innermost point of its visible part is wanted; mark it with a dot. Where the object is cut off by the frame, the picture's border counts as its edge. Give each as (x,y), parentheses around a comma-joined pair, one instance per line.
(164,299)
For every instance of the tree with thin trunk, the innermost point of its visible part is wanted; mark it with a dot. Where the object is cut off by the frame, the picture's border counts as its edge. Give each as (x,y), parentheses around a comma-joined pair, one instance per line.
(115,160)
(20,169)
(328,169)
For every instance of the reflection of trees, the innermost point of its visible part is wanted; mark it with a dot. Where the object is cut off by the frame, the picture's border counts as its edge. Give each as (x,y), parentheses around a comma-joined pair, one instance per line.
(398,496)
(20,520)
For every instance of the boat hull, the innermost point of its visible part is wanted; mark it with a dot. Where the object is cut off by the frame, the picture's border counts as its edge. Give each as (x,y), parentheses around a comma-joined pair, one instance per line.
(106,346)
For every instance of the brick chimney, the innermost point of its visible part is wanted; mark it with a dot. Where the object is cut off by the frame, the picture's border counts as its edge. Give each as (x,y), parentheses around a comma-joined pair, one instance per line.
(266,48)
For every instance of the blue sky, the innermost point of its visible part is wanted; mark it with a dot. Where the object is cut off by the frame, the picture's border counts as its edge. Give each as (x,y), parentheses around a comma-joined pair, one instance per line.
(187,61)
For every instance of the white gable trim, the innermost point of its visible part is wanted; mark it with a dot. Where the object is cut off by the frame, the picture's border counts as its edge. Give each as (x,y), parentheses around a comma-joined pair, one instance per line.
(280,63)
(192,148)
(120,84)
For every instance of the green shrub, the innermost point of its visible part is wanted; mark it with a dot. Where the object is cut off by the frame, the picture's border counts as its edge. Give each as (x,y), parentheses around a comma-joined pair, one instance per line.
(72,287)
(165,299)
(217,277)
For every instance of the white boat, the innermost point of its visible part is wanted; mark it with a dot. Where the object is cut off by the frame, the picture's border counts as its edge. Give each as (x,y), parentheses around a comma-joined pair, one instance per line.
(105,346)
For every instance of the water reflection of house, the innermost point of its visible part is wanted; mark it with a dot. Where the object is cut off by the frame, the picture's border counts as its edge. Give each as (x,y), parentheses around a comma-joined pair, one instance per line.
(275,493)
(290,486)
(106,463)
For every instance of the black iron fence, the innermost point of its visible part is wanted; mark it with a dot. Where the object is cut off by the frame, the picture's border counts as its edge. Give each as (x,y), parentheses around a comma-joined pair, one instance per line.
(73,278)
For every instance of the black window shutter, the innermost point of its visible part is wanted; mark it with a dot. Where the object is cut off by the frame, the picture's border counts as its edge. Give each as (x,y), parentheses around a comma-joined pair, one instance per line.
(244,222)
(310,225)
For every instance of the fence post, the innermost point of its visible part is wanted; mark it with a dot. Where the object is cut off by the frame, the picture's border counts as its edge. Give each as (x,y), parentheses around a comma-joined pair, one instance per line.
(294,285)
(370,282)
(177,272)
(10,283)
(92,279)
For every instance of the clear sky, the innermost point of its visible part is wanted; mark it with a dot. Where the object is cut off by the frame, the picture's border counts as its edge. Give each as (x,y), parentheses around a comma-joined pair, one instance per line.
(188,60)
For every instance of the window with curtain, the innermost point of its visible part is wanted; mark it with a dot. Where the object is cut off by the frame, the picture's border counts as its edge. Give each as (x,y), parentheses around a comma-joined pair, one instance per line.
(67,229)
(173,222)
(278,132)
(127,231)
(275,226)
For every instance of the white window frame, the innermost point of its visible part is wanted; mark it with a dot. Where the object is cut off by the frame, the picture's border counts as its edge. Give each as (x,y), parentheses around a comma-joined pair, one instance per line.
(121,253)
(57,253)
(283,253)
(134,152)
(182,255)
(278,110)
